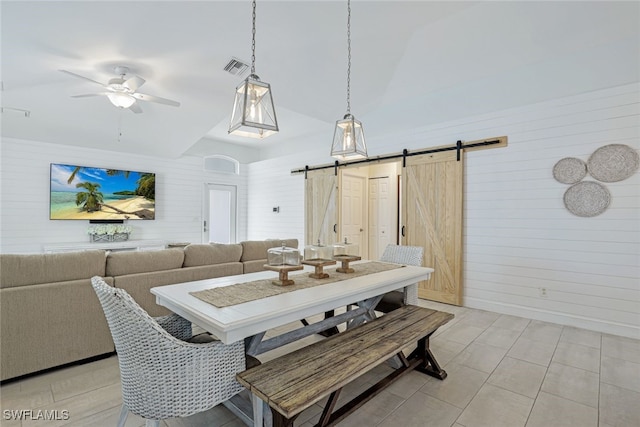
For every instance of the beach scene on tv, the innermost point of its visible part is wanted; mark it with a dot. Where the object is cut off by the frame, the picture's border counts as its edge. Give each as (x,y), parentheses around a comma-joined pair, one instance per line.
(79,192)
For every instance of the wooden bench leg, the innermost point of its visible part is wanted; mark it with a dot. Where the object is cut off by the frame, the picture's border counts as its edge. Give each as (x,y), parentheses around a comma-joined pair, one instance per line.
(280,421)
(328,408)
(430,365)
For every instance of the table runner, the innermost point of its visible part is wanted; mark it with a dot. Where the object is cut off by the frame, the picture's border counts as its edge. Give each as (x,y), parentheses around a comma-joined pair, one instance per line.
(239,293)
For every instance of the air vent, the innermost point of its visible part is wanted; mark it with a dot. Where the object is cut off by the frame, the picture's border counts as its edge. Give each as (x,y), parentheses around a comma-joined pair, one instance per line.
(236,67)
(26,113)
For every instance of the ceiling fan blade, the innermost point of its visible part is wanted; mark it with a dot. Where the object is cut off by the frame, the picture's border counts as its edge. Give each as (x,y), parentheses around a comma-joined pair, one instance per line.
(151,98)
(133,83)
(89,94)
(135,108)
(81,77)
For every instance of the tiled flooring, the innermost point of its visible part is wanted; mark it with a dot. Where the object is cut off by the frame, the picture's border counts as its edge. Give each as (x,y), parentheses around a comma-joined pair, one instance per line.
(503,371)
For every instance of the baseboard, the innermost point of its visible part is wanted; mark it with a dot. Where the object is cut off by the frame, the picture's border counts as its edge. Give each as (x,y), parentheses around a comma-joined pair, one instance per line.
(598,325)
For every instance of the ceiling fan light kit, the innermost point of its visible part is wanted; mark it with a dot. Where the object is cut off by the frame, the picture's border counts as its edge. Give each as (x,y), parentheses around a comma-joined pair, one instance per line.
(122,100)
(253,113)
(348,137)
(121,91)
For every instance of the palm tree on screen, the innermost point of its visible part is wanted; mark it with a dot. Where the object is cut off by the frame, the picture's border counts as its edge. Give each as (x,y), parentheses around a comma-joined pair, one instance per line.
(147,186)
(110,172)
(91,200)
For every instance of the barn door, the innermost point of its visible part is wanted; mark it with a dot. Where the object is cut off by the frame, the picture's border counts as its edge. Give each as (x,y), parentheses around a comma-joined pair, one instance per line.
(321,207)
(432,218)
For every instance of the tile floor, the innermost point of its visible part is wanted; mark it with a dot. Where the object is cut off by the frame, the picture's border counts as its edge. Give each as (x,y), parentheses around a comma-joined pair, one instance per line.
(503,371)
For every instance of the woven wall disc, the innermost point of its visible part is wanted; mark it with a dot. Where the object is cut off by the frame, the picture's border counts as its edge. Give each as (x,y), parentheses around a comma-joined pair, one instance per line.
(569,170)
(587,198)
(613,163)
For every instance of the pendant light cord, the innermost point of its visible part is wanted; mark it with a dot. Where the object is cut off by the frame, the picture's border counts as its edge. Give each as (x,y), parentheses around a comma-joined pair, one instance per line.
(349,57)
(253,40)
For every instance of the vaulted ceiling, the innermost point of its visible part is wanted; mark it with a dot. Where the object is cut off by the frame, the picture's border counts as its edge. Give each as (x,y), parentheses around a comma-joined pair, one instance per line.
(413,63)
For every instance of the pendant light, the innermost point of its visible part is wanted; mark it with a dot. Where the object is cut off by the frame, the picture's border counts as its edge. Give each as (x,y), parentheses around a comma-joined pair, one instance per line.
(253,113)
(348,137)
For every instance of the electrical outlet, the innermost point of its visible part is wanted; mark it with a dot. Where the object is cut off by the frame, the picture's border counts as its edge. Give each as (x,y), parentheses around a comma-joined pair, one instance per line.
(543,292)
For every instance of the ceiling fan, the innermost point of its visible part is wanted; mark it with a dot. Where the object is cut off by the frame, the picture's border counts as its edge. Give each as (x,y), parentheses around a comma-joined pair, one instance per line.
(121,91)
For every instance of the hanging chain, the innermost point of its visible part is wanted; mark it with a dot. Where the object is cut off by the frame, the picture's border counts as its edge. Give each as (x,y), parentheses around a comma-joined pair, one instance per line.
(349,57)
(253,40)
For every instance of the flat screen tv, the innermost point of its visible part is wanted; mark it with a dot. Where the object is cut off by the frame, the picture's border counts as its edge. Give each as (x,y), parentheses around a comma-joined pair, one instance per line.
(89,193)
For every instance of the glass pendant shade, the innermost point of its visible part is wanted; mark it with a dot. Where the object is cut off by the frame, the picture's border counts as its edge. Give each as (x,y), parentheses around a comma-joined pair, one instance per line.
(348,139)
(122,100)
(253,113)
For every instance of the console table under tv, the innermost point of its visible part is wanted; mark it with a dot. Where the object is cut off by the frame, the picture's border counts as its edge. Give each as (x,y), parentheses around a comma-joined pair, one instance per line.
(127,245)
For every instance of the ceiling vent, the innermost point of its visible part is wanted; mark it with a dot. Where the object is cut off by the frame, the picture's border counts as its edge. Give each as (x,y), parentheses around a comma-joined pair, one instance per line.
(26,113)
(236,67)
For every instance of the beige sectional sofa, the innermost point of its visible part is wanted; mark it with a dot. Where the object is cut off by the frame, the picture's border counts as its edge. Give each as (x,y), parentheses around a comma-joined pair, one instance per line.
(50,316)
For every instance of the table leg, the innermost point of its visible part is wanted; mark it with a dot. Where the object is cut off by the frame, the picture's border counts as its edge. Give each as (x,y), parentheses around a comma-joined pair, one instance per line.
(257,345)
(328,332)
(333,330)
(369,305)
(257,405)
(252,343)
(250,411)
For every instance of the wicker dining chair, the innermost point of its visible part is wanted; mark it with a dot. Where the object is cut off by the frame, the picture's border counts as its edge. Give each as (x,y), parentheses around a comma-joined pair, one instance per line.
(162,375)
(408,255)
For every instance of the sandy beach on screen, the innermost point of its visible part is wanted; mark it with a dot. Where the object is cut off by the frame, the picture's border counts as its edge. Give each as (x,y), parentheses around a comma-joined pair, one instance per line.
(127,205)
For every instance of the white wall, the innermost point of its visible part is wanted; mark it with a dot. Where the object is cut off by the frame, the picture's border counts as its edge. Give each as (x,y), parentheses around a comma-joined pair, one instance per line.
(270,184)
(518,237)
(25,226)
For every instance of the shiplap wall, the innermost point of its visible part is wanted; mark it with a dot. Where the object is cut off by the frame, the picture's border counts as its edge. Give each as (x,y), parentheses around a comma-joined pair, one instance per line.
(271,184)
(180,184)
(518,237)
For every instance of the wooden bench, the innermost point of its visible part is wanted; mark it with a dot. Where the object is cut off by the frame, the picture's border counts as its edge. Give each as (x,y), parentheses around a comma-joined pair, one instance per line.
(293,382)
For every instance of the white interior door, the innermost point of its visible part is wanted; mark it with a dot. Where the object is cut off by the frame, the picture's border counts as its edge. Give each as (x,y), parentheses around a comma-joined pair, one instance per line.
(380,223)
(221,213)
(352,210)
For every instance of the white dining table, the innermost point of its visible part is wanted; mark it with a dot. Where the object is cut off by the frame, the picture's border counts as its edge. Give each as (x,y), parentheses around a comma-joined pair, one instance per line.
(251,319)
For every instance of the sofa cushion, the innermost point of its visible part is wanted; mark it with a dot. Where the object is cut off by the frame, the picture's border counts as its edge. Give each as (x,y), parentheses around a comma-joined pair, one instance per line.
(20,270)
(121,263)
(257,249)
(253,266)
(214,253)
